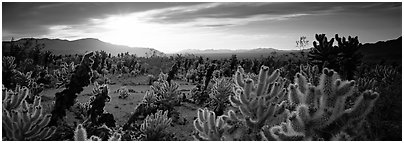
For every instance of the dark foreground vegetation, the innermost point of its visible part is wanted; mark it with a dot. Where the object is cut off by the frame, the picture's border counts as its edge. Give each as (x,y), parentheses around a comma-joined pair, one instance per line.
(326,93)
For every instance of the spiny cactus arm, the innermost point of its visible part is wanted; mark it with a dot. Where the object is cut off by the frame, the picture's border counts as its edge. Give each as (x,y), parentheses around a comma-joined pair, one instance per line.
(277,93)
(295,97)
(262,77)
(238,78)
(14,99)
(209,128)
(363,105)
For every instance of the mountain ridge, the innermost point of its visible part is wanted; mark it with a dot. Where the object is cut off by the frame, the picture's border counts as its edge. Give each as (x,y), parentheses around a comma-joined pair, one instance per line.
(80,46)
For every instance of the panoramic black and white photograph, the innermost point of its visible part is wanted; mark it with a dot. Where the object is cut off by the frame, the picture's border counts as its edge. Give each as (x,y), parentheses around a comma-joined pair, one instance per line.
(202,71)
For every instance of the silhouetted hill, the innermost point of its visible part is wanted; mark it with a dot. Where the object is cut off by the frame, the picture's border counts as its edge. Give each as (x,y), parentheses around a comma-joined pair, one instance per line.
(390,51)
(58,46)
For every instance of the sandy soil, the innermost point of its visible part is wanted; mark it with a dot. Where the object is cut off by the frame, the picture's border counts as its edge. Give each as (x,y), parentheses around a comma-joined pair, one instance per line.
(122,108)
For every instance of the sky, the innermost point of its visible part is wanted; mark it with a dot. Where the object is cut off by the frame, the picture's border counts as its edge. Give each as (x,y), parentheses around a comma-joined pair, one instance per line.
(172,27)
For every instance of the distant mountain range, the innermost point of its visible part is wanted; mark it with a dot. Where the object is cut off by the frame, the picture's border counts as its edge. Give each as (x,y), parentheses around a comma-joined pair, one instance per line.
(62,47)
(389,50)
(222,51)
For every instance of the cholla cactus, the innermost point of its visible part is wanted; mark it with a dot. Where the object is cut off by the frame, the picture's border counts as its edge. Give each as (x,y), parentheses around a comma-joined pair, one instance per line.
(8,63)
(123,92)
(154,125)
(79,79)
(64,74)
(258,103)
(220,93)
(191,75)
(80,134)
(222,89)
(321,108)
(13,99)
(164,90)
(97,102)
(209,127)
(311,73)
(150,79)
(149,98)
(23,121)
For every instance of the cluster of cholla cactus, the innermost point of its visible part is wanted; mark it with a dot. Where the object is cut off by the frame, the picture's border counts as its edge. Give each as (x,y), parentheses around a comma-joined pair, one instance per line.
(23,121)
(259,105)
(166,91)
(320,111)
(302,112)
(80,134)
(191,75)
(97,104)
(162,96)
(220,92)
(64,74)
(154,126)
(79,79)
(210,127)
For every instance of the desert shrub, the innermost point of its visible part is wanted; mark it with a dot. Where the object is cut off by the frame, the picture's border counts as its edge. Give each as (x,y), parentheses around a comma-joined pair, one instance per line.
(123,92)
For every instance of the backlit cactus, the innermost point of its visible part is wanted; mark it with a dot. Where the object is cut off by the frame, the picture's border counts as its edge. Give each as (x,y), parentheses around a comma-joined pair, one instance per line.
(320,110)
(258,103)
(311,73)
(154,126)
(23,121)
(220,92)
(210,127)
(80,134)
(164,90)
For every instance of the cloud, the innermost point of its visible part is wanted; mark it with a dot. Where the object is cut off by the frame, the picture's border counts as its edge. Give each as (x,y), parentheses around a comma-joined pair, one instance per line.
(25,18)
(265,10)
